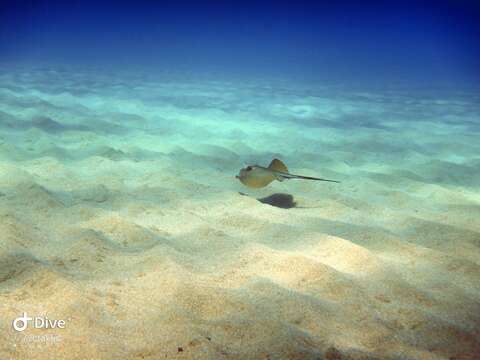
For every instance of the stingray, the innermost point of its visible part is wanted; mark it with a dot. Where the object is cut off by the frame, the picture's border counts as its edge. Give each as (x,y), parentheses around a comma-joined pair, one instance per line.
(256,176)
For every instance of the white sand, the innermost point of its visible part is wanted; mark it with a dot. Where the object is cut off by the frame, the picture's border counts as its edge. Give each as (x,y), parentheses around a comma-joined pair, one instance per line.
(121,215)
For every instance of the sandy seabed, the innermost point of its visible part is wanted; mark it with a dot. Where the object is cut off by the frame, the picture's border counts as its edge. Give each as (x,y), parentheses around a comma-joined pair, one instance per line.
(120,214)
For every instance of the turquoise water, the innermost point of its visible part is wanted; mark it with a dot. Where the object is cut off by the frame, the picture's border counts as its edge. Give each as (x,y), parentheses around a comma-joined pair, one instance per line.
(121,213)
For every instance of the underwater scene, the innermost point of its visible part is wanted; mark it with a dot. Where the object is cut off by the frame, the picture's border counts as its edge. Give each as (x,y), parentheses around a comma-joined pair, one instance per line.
(260,200)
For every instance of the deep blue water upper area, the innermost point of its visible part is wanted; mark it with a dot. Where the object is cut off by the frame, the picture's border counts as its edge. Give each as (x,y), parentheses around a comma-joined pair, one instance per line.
(413,42)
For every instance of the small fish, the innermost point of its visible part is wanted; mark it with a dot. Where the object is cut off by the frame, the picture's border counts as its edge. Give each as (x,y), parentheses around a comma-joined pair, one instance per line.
(256,176)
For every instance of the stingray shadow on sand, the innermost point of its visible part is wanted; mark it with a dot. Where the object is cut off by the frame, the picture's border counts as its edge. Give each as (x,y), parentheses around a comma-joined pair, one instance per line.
(284,201)
(280,200)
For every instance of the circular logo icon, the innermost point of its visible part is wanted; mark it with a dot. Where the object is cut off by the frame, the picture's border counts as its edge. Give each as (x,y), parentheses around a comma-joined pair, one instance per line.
(21,322)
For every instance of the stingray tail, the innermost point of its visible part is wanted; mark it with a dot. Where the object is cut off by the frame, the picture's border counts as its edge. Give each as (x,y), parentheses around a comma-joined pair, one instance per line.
(313,178)
(292,176)
(282,173)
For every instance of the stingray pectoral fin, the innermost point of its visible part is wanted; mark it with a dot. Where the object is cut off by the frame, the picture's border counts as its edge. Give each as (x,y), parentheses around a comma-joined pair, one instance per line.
(277,165)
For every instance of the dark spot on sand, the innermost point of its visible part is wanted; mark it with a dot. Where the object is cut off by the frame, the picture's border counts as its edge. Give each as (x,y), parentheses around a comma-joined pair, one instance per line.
(180,349)
(333,354)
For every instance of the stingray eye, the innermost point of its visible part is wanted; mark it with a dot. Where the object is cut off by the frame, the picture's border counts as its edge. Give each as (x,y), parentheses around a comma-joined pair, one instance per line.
(249,168)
